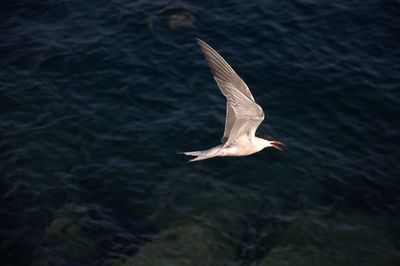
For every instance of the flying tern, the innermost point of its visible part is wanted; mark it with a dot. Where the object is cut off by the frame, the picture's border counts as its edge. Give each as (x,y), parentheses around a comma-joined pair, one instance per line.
(243,114)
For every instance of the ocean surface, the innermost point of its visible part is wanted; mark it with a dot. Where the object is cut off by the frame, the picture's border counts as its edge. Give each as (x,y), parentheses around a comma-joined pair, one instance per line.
(98,96)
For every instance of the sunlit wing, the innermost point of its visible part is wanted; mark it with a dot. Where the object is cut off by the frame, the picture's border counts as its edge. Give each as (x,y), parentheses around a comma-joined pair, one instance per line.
(243,115)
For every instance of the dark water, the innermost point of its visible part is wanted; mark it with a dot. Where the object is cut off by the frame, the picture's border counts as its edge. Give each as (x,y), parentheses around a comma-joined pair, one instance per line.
(96,98)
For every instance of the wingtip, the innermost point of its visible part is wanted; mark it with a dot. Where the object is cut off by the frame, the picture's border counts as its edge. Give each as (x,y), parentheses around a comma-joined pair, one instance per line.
(200,41)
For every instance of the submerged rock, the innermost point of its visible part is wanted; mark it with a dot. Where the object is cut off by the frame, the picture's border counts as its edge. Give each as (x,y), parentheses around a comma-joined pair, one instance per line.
(182,20)
(175,17)
(66,239)
(342,240)
(192,245)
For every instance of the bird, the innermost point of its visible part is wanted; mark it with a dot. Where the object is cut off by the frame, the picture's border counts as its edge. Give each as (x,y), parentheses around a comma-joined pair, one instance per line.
(243,114)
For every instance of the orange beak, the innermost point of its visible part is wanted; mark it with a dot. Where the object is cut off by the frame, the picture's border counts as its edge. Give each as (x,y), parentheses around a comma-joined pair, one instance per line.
(275,144)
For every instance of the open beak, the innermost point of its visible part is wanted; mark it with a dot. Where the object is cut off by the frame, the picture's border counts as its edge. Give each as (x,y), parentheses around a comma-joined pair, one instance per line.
(275,144)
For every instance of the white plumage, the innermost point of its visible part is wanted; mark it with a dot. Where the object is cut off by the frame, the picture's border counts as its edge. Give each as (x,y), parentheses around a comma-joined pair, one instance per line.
(243,114)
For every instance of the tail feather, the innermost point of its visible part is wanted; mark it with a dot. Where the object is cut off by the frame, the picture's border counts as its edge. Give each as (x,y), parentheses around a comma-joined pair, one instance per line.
(191,153)
(199,158)
(202,155)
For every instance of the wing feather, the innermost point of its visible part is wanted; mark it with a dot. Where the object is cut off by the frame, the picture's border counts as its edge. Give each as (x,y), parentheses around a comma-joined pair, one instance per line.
(241,107)
(222,70)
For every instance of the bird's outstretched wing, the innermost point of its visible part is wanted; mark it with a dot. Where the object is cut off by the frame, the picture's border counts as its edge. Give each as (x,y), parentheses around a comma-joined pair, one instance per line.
(243,114)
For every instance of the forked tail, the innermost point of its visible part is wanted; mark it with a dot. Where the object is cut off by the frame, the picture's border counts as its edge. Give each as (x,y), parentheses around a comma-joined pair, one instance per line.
(202,155)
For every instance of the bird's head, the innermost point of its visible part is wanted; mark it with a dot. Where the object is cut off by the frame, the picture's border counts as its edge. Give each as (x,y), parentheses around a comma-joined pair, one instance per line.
(271,142)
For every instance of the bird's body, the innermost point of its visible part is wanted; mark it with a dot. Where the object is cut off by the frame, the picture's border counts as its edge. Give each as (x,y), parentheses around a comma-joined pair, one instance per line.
(241,147)
(243,114)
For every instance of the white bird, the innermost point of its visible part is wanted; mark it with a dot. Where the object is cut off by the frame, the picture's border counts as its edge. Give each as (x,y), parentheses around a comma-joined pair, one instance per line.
(243,114)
